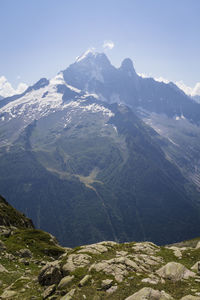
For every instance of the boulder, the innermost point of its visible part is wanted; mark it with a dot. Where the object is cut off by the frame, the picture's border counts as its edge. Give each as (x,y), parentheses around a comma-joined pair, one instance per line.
(118,267)
(94,249)
(175,272)
(3,269)
(65,282)
(85,279)
(106,284)
(49,291)
(149,294)
(75,261)
(69,295)
(50,274)
(146,247)
(149,280)
(198,245)
(195,266)
(25,253)
(112,289)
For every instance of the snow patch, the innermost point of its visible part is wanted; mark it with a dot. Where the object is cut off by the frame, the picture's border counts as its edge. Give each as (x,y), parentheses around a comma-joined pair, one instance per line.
(85,54)
(72,88)
(115,128)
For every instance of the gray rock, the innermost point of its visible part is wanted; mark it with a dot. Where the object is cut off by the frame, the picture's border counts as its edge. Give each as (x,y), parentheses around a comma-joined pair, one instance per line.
(154,280)
(112,289)
(26,253)
(198,245)
(10,256)
(85,279)
(177,251)
(49,291)
(94,249)
(5,233)
(118,267)
(149,294)
(65,282)
(24,261)
(195,266)
(175,271)
(75,261)
(146,247)
(3,269)
(7,294)
(106,284)
(50,274)
(68,296)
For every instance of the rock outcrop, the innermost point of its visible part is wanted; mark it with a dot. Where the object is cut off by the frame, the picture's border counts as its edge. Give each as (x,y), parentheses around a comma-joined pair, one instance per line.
(175,272)
(149,294)
(33,266)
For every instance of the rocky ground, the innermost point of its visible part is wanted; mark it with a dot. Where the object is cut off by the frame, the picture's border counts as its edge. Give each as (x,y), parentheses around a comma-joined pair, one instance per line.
(34,266)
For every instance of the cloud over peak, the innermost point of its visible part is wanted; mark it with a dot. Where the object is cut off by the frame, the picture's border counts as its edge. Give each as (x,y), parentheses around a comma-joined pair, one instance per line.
(108,45)
(6,89)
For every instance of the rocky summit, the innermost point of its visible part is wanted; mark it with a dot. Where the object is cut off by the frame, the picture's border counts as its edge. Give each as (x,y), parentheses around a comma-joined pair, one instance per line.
(34,266)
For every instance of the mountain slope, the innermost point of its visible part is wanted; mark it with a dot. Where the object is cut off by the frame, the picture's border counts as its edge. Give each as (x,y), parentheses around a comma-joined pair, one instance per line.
(165,107)
(96,172)
(89,170)
(11,217)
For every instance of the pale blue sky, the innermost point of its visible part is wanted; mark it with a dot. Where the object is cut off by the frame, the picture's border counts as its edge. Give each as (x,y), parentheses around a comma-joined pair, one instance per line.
(40,37)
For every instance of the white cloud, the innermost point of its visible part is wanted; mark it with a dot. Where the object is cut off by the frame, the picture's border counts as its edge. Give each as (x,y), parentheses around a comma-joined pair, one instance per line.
(191,91)
(21,87)
(187,89)
(7,90)
(108,45)
(196,89)
(160,79)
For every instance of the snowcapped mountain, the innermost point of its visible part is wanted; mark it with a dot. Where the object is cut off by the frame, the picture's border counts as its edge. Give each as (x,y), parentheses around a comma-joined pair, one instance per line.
(76,158)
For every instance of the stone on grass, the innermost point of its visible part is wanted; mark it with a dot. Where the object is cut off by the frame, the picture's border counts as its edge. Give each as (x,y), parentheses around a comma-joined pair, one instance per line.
(112,289)
(106,284)
(198,245)
(75,261)
(149,294)
(195,266)
(65,282)
(25,253)
(69,295)
(118,267)
(50,274)
(150,280)
(83,281)
(49,291)
(3,269)
(175,272)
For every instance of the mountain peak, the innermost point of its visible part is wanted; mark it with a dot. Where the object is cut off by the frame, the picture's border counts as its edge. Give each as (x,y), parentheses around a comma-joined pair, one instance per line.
(91,56)
(127,66)
(89,53)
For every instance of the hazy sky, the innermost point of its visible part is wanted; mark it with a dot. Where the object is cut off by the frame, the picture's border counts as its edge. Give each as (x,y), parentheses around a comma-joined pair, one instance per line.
(41,37)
